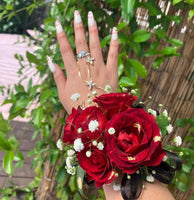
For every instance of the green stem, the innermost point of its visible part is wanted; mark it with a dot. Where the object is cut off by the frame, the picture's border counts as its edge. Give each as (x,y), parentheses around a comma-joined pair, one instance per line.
(67,5)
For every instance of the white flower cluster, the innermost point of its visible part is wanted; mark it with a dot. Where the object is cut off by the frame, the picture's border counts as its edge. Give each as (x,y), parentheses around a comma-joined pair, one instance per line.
(150,178)
(59,144)
(78,145)
(93,125)
(178,141)
(169,128)
(70,161)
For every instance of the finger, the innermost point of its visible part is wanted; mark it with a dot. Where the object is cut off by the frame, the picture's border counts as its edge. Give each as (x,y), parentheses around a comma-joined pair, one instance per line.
(80,38)
(66,50)
(94,41)
(59,78)
(112,59)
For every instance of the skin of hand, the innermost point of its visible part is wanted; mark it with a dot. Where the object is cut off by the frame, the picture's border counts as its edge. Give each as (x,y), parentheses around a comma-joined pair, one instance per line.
(102,75)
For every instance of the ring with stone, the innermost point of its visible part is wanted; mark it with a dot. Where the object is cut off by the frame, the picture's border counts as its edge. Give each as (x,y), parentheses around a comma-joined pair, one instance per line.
(82,54)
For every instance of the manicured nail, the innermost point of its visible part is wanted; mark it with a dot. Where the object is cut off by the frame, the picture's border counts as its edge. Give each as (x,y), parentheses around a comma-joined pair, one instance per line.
(77,17)
(59,28)
(114,33)
(90,19)
(50,64)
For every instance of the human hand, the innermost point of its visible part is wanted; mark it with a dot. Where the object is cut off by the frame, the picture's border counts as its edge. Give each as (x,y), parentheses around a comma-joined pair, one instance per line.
(78,73)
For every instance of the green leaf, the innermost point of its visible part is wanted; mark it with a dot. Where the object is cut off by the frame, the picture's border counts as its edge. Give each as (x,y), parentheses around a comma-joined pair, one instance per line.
(73,183)
(77,196)
(186,168)
(7,101)
(80,178)
(141,35)
(126,82)
(29,85)
(152,10)
(160,33)
(37,115)
(7,162)
(32,58)
(4,125)
(127,9)
(181,186)
(181,123)
(121,25)
(175,42)
(191,14)
(139,68)
(45,95)
(105,41)
(191,2)
(175,2)
(4,143)
(169,51)
(157,62)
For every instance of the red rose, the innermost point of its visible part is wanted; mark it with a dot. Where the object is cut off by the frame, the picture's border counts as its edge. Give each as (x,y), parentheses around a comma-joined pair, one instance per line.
(133,139)
(87,124)
(114,102)
(98,166)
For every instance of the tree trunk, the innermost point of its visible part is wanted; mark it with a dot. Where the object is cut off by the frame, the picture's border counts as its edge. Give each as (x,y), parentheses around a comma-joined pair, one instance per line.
(47,187)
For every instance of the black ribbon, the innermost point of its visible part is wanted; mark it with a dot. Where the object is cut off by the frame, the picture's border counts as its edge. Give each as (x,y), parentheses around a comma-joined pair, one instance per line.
(131,188)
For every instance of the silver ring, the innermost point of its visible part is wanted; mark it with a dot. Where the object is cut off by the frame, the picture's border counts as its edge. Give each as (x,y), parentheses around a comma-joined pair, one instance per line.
(82,54)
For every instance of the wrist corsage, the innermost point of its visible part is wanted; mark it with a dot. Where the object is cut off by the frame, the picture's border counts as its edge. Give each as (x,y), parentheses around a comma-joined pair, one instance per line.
(115,138)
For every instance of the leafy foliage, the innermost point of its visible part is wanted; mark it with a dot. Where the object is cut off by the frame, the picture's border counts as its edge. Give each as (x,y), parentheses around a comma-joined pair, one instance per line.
(135,45)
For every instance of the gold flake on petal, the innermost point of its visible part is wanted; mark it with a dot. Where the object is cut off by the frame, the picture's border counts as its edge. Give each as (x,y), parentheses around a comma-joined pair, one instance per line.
(131,158)
(138,126)
(112,174)
(157,138)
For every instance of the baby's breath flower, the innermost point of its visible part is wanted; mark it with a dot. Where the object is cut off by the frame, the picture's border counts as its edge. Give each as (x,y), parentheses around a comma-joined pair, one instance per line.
(150,178)
(88,95)
(169,128)
(116,186)
(75,96)
(111,131)
(107,88)
(59,144)
(165,113)
(69,161)
(78,145)
(93,125)
(100,146)
(178,141)
(71,170)
(88,153)
(133,91)
(70,152)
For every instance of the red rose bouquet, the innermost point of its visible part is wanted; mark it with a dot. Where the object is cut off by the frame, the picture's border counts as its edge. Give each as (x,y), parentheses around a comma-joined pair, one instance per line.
(113,137)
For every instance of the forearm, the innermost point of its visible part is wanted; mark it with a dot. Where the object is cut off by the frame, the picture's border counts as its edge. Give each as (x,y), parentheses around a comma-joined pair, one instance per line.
(151,191)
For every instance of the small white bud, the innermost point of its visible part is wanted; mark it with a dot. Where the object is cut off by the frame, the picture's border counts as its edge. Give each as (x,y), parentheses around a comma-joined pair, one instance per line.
(111,131)
(75,97)
(116,187)
(107,88)
(89,101)
(78,145)
(150,178)
(59,144)
(79,130)
(88,153)
(70,152)
(100,146)
(94,93)
(94,143)
(165,158)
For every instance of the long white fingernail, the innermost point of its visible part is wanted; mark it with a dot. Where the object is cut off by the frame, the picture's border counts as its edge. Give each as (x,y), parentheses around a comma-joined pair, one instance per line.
(59,28)
(114,33)
(50,64)
(90,19)
(77,17)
